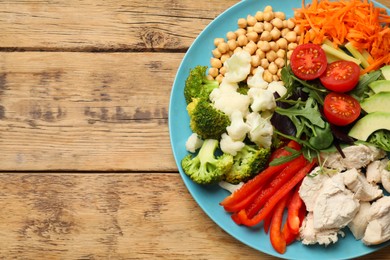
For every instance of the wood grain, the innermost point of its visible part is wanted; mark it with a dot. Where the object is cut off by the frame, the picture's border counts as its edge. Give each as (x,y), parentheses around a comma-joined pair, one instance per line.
(110,216)
(107,25)
(94,111)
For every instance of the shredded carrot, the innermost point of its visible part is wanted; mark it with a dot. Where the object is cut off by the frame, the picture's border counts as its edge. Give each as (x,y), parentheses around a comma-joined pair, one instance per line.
(357,21)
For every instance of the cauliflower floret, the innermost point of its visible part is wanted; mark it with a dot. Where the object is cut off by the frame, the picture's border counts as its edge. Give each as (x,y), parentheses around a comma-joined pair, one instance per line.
(238,66)
(238,128)
(227,99)
(261,130)
(228,145)
(277,86)
(193,143)
(262,99)
(257,81)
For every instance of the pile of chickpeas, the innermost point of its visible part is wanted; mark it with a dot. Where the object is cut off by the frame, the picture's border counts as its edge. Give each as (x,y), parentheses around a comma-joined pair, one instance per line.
(268,36)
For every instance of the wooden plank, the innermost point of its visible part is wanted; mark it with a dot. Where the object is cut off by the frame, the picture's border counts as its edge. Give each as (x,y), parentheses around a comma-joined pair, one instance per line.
(63,216)
(105,24)
(79,111)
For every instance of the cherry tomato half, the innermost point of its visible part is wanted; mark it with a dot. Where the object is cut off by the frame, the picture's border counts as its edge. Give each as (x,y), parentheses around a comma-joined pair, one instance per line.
(308,61)
(341,76)
(341,109)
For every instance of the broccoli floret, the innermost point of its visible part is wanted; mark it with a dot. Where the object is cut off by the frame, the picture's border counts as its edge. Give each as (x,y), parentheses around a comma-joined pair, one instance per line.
(205,120)
(197,85)
(206,167)
(248,162)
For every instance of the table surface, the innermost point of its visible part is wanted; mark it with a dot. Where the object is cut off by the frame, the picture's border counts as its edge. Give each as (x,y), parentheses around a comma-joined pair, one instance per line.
(87,170)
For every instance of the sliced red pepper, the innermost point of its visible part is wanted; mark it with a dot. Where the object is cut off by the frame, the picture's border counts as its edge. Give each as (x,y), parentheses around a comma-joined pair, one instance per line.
(288,235)
(286,188)
(294,207)
(276,236)
(258,181)
(267,222)
(283,177)
(243,203)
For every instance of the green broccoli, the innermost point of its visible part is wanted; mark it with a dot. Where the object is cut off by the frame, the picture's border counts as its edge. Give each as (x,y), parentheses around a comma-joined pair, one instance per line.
(205,167)
(205,120)
(248,162)
(197,85)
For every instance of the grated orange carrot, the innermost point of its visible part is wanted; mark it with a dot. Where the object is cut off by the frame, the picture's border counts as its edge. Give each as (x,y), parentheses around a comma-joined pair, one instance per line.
(357,21)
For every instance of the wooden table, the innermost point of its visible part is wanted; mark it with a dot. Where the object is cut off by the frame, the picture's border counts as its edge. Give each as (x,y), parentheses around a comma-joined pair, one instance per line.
(87,170)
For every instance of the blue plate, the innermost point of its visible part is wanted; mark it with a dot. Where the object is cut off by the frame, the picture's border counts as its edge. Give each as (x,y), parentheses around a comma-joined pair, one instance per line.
(208,197)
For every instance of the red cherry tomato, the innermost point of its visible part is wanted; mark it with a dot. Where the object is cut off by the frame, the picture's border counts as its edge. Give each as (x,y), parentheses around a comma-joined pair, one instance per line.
(341,76)
(341,109)
(308,61)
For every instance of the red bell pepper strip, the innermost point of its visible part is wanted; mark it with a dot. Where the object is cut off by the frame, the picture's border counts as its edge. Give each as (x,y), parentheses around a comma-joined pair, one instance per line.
(293,207)
(286,188)
(257,182)
(276,236)
(289,236)
(283,177)
(243,203)
(267,222)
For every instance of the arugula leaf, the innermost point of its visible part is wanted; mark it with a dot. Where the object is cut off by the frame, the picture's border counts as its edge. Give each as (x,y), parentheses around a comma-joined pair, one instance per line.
(361,90)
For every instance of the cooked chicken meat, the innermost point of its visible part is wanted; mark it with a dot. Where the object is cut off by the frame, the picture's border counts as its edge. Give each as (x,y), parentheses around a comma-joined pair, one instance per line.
(309,235)
(356,156)
(376,173)
(362,189)
(310,188)
(359,223)
(378,228)
(335,205)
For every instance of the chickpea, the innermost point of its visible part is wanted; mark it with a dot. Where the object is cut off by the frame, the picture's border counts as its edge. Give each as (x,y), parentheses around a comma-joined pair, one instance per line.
(282,43)
(224,57)
(258,27)
(215,63)
(264,46)
(268,16)
(251,47)
(209,77)
(274,46)
(213,72)
(252,36)
(265,36)
(268,8)
(255,60)
(232,44)
(275,78)
(242,23)
(267,76)
(222,70)
(264,63)
(260,53)
(284,24)
(259,16)
(277,22)
(216,53)
(289,53)
(275,34)
(240,31)
(249,29)
(279,62)
(217,41)
(284,31)
(297,30)
(271,55)
(219,78)
(231,36)
(291,36)
(279,73)
(268,26)
(291,46)
(237,50)
(251,20)
(242,40)
(273,68)
(223,47)
(281,53)
(290,24)
(280,15)
(253,70)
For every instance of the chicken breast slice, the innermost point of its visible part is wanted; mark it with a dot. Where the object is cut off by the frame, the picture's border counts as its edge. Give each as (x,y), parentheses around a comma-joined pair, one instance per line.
(359,223)
(335,205)
(373,172)
(378,228)
(357,183)
(356,156)
(310,187)
(309,235)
